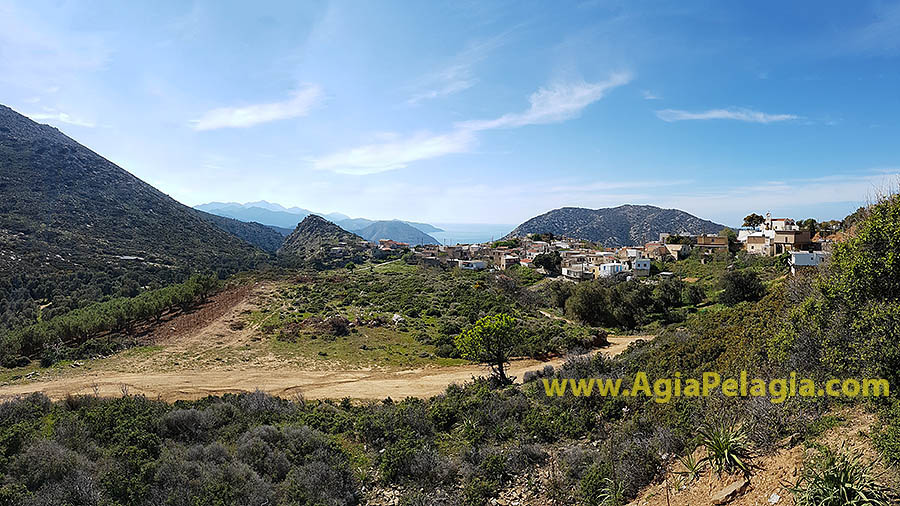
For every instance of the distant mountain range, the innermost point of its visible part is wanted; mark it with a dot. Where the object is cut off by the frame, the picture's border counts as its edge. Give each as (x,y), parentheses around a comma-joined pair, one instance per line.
(616,226)
(75,227)
(395,230)
(284,220)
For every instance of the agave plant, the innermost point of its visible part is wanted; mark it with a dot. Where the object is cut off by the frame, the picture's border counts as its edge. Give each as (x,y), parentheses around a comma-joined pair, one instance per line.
(727,448)
(693,468)
(612,493)
(839,479)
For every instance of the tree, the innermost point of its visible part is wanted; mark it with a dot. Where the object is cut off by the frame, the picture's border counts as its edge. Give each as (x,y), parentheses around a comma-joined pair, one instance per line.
(810,224)
(677,239)
(550,261)
(753,220)
(693,294)
(350,266)
(560,291)
(733,244)
(741,286)
(491,341)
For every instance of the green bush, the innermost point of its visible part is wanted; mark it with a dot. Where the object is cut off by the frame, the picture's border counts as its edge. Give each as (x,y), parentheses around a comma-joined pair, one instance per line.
(839,479)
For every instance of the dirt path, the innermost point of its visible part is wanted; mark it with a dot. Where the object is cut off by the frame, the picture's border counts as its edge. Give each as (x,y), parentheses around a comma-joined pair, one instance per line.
(213,351)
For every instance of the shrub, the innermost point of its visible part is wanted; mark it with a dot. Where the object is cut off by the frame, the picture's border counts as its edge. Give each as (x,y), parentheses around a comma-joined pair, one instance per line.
(838,479)
(741,286)
(727,448)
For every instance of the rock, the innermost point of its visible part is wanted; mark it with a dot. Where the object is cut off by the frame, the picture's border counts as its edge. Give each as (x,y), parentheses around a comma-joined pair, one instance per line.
(774,498)
(731,492)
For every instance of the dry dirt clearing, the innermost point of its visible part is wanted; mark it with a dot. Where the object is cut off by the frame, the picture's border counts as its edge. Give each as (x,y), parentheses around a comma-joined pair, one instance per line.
(212,351)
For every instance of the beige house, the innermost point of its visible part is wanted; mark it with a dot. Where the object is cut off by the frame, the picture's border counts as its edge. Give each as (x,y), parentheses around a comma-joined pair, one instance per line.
(791,240)
(758,244)
(679,251)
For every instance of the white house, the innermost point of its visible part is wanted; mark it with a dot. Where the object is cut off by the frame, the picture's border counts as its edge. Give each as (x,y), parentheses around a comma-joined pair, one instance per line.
(641,267)
(805,259)
(610,269)
(472,265)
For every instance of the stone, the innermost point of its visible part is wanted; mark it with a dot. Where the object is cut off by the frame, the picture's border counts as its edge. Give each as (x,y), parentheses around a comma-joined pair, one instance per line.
(774,498)
(731,492)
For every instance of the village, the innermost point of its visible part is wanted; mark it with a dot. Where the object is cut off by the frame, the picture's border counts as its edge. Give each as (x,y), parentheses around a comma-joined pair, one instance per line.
(580,260)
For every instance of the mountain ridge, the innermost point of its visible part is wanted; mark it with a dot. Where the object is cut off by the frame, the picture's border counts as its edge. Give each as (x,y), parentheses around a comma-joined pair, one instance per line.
(75,227)
(624,225)
(273,214)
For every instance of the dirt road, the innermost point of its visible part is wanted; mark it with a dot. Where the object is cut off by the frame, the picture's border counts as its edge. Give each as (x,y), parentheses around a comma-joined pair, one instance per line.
(181,369)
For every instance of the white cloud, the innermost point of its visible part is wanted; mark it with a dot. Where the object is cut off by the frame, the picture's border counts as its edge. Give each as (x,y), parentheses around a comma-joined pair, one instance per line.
(748,115)
(649,95)
(61,117)
(302,101)
(396,153)
(451,80)
(458,75)
(548,105)
(553,105)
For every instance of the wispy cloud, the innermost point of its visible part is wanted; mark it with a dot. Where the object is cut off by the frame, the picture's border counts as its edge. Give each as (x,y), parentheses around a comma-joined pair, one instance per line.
(882,35)
(553,105)
(61,117)
(395,154)
(548,105)
(300,103)
(458,75)
(747,115)
(453,79)
(649,95)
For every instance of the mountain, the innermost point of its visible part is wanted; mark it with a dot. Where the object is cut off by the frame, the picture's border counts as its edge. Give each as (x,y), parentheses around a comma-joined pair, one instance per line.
(616,226)
(395,230)
(356,224)
(264,237)
(284,232)
(276,215)
(318,242)
(284,219)
(74,227)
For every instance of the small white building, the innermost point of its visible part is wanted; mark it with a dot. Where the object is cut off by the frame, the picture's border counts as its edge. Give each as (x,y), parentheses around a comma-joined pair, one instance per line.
(610,269)
(641,267)
(472,265)
(800,259)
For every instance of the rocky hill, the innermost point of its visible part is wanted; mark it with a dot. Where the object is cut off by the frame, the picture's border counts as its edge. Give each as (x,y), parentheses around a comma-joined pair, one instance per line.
(616,226)
(317,242)
(75,227)
(397,231)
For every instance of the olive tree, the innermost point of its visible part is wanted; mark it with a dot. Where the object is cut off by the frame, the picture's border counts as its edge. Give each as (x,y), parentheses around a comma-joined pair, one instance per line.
(491,340)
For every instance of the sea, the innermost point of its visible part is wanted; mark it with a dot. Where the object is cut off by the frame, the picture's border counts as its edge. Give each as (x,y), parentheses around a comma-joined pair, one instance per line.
(469,233)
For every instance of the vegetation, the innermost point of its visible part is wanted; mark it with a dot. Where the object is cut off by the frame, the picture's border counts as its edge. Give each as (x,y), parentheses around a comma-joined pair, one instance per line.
(549,261)
(727,448)
(491,341)
(77,229)
(79,333)
(625,304)
(753,220)
(839,479)
(741,286)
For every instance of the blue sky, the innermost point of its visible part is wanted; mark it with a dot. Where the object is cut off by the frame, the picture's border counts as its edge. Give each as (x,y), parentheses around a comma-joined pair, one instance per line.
(480,111)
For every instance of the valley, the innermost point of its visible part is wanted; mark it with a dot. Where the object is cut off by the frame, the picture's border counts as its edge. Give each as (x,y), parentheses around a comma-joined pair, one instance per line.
(221,348)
